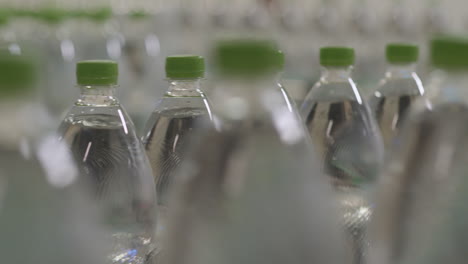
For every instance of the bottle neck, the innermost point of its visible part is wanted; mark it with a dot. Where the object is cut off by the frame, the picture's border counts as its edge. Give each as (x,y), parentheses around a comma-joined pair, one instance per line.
(336,74)
(184,88)
(99,96)
(400,71)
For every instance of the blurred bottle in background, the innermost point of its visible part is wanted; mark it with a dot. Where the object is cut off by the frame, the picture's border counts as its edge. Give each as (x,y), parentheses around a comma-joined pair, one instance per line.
(296,34)
(101,38)
(139,34)
(256,165)
(30,104)
(397,91)
(341,125)
(401,21)
(366,34)
(143,66)
(26,118)
(112,161)
(44,216)
(420,215)
(448,62)
(8,36)
(58,51)
(173,122)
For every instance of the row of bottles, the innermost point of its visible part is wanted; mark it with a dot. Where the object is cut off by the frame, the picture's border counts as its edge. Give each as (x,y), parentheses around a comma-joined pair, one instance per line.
(420,212)
(240,172)
(140,35)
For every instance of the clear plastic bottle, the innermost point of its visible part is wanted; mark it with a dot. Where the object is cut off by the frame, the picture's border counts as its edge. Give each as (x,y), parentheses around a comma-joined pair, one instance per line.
(346,138)
(44,216)
(420,214)
(173,122)
(111,158)
(397,91)
(253,173)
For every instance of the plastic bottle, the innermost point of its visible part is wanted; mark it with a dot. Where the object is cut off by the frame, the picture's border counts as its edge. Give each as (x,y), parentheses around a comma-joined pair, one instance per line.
(420,214)
(44,216)
(397,91)
(346,138)
(111,158)
(174,120)
(246,187)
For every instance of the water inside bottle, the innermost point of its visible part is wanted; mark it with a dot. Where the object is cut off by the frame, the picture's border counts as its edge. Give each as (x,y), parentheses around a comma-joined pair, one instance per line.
(166,143)
(113,163)
(344,137)
(390,113)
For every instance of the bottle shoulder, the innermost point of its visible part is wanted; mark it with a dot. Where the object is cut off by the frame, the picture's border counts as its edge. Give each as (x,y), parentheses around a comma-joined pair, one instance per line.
(86,111)
(323,91)
(182,101)
(400,86)
(110,117)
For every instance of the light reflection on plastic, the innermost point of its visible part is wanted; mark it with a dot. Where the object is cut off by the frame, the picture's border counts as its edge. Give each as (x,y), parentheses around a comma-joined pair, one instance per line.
(122,119)
(284,120)
(68,50)
(125,257)
(287,125)
(14,49)
(418,83)
(152,44)
(114,48)
(57,162)
(355,90)
(237,108)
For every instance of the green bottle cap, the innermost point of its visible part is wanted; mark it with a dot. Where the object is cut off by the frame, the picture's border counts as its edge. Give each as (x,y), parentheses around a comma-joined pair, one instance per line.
(51,15)
(281,60)
(246,58)
(336,56)
(449,52)
(4,19)
(402,53)
(138,14)
(97,72)
(185,67)
(17,74)
(16,12)
(5,14)
(101,14)
(77,13)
